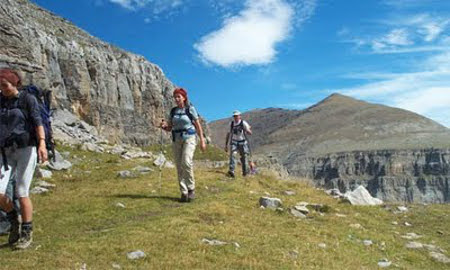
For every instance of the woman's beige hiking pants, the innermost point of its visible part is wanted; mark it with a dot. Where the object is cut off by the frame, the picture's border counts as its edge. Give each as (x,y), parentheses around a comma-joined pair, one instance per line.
(183,151)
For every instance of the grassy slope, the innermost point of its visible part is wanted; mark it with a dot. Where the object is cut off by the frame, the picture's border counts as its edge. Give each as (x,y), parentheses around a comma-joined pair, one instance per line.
(78,223)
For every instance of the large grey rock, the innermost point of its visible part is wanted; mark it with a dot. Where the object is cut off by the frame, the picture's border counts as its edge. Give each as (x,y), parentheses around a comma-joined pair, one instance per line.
(384,263)
(414,245)
(45,174)
(59,163)
(125,174)
(39,190)
(297,213)
(119,93)
(160,160)
(272,203)
(360,196)
(142,169)
(91,147)
(45,184)
(134,255)
(411,236)
(439,257)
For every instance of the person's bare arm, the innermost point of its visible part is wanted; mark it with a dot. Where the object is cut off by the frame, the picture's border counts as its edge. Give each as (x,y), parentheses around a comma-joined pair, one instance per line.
(42,148)
(199,129)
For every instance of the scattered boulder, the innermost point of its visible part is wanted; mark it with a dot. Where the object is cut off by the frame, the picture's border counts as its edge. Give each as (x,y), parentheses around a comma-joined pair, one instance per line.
(91,147)
(439,257)
(302,209)
(169,165)
(367,242)
(293,254)
(120,205)
(383,263)
(45,184)
(125,174)
(160,160)
(134,255)
(213,242)
(133,154)
(39,190)
(59,163)
(411,236)
(272,203)
(322,245)
(42,173)
(116,266)
(360,196)
(289,192)
(414,245)
(336,193)
(296,213)
(142,169)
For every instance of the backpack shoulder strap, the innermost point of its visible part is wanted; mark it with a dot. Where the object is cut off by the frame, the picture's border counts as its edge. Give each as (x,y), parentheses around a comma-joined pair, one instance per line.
(187,109)
(22,102)
(172,112)
(241,124)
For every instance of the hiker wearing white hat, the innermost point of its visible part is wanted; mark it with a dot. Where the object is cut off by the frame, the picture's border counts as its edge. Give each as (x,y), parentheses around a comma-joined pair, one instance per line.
(237,140)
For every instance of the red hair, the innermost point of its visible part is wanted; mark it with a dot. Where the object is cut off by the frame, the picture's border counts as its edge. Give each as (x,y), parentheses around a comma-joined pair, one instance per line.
(11,76)
(182,92)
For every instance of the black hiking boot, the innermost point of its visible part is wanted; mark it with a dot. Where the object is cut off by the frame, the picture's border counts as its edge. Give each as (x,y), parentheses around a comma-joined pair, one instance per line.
(191,195)
(230,174)
(14,229)
(184,198)
(25,240)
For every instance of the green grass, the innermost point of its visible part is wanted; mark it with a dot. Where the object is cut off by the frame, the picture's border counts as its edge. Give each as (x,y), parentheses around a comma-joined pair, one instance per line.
(78,223)
(212,152)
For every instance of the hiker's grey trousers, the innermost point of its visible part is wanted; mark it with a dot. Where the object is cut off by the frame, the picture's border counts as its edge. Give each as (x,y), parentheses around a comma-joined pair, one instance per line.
(21,163)
(242,148)
(183,152)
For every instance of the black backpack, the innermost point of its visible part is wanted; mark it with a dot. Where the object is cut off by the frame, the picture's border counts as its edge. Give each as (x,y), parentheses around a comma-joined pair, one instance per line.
(238,128)
(43,98)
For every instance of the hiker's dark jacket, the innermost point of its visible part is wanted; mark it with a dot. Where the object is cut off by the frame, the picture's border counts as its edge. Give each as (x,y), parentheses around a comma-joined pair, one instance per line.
(20,123)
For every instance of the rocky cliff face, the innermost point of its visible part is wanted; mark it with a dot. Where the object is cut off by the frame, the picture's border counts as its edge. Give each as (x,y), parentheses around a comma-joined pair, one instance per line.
(390,175)
(341,142)
(121,94)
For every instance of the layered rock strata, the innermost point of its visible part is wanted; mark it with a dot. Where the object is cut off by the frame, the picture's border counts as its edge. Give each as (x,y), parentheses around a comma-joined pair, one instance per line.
(391,175)
(120,93)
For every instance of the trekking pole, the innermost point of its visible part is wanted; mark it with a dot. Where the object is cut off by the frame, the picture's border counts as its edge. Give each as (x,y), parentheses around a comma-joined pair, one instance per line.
(161,152)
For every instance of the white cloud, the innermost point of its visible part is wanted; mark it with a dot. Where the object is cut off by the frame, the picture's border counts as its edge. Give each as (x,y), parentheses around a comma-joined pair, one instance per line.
(403,4)
(426,92)
(250,37)
(130,4)
(412,33)
(397,37)
(156,7)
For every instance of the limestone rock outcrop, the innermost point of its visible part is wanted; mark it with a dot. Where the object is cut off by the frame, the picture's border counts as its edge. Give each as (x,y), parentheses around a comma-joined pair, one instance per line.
(122,94)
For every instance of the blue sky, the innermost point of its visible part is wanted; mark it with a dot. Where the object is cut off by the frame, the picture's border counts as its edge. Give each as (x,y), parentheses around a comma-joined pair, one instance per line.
(283,53)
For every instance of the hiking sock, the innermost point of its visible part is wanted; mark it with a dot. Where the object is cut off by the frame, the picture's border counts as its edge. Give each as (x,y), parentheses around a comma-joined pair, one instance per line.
(27,226)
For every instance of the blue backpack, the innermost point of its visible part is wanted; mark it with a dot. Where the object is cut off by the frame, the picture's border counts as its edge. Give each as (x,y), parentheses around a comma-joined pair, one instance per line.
(44,98)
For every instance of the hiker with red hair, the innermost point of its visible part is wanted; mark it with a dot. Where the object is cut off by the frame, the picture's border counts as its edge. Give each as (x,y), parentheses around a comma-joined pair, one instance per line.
(184,123)
(21,128)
